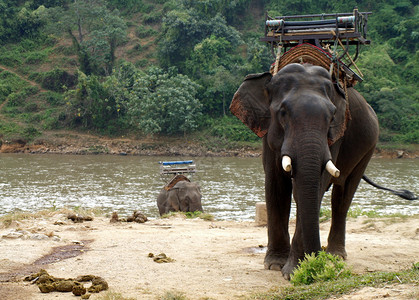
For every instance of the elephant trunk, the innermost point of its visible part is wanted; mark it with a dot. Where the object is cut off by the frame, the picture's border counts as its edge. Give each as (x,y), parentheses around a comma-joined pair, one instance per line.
(307,169)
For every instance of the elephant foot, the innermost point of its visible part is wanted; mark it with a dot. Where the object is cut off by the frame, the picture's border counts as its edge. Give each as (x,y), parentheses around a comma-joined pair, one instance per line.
(288,268)
(275,261)
(338,251)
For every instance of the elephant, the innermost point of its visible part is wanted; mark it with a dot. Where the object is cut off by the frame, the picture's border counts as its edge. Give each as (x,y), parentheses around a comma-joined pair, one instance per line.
(315,135)
(180,195)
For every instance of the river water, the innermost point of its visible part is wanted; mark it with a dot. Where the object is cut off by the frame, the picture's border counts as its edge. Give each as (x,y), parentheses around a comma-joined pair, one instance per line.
(230,186)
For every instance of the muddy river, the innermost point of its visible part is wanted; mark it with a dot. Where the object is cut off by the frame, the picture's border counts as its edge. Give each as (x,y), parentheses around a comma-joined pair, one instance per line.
(230,186)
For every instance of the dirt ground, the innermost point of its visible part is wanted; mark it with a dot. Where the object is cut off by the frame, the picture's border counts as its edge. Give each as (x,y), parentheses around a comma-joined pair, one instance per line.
(212,259)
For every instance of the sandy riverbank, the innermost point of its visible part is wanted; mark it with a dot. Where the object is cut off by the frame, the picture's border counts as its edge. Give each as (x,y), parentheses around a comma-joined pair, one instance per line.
(212,259)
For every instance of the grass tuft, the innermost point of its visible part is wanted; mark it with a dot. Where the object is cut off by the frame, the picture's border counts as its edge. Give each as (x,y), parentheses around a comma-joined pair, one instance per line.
(189,215)
(173,295)
(113,296)
(319,268)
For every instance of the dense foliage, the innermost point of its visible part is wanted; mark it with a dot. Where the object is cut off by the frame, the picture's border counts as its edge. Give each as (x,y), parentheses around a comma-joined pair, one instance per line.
(172,66)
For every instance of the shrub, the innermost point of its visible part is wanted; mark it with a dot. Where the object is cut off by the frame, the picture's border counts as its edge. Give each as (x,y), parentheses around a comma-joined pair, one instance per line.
(232,129)
(36,58)
(153,17)
(5,90)
(16,99)
(144,31)
(30,90)
(319,268)
(10,59)
(31,132)
(57,79)
(31,107)
(53,98)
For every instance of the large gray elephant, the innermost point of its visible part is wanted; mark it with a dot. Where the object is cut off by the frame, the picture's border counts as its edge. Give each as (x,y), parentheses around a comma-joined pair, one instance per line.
(312,138)
(182,196)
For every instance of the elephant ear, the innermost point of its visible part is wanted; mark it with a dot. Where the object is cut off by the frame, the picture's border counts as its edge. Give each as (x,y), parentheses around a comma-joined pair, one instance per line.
(250,103)
(338,126)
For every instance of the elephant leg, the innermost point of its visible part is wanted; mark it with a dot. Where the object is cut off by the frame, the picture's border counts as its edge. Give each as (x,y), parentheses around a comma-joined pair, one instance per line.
(278,206)
(341,201)
(296,252)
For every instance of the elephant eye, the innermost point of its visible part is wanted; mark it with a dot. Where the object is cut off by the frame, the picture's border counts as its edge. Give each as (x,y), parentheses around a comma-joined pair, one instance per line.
(282,112)
(329,89)
(333,114)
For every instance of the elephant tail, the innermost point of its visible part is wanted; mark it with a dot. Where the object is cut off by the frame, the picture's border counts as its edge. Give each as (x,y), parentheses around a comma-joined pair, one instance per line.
(405,194)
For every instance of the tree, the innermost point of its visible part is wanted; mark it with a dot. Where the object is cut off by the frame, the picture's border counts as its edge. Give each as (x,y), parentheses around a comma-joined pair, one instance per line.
(101,103)
(95,31)
(17,21)
(184,28)
(89,105)
(164,102)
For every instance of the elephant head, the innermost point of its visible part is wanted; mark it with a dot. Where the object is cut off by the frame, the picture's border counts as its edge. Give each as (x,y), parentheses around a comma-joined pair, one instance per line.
(300,114)
(184,196)
(298,108)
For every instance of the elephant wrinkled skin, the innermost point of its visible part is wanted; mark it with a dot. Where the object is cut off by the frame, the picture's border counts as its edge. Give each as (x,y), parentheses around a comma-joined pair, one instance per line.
(183,196)
(302,116)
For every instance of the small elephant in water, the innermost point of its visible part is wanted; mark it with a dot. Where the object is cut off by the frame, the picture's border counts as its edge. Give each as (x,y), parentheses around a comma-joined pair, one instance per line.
(179,195)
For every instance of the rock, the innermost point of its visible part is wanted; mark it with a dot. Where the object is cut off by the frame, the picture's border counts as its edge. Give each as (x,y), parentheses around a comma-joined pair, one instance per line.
(261,217)
(114,218)
(38,237)
(60,222)
(139,217)
(13,235)
(14,224)
(75,218)
(79,219)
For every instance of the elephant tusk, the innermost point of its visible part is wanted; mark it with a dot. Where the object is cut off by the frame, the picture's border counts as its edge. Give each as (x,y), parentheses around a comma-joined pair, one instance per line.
(330,167)
(286,163)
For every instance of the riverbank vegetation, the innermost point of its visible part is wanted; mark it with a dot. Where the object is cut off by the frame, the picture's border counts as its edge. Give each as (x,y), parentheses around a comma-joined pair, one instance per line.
(170,67)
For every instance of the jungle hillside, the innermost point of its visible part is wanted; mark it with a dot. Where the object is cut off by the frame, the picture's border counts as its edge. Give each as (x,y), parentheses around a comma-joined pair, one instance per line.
(169,68)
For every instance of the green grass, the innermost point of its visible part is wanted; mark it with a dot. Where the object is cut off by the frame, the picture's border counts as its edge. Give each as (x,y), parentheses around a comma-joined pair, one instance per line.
(320,268)
(320,290)
(357,211)
(9,129)
(190,215)
(11,80)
